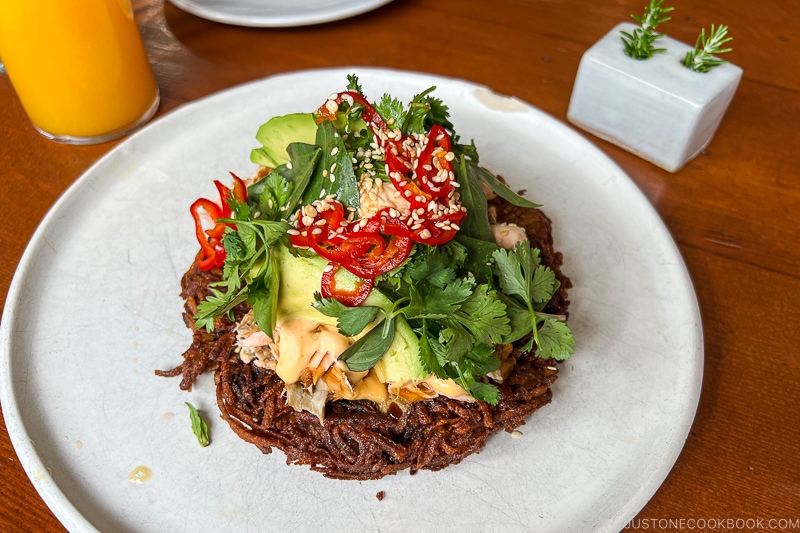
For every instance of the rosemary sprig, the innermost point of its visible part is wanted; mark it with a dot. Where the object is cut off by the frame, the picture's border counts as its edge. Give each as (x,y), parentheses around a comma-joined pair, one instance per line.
(639,44)
(701,58)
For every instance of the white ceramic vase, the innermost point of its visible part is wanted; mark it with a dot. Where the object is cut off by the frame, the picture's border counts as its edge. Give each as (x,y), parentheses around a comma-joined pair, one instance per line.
(655,108)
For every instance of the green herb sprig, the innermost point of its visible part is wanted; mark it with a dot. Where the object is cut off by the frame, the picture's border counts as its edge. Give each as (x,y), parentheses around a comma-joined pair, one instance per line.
(702,59)
(639,44)
(199,427)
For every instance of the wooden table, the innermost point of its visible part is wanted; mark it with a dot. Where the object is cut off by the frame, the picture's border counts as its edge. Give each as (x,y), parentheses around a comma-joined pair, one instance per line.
(734,211)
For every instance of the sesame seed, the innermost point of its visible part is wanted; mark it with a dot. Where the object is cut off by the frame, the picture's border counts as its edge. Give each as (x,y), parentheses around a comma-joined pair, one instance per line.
(425,234)
(316,231)
(307,221)
(450,156)
(289,165)
(293,232)
(335,150)
(333,167)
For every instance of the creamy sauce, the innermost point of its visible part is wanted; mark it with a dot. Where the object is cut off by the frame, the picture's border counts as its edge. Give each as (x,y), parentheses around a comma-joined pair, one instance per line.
(300,339)
(445,387)
(371,388)
(139,475)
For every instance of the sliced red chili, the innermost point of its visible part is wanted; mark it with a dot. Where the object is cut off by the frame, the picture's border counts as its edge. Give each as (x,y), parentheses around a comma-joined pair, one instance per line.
(373,264)
(437,139)
(350,298)
(203,209)
(348,249)
(212,253)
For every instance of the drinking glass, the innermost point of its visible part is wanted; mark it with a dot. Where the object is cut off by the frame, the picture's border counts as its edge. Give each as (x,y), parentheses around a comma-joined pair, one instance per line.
(79,67)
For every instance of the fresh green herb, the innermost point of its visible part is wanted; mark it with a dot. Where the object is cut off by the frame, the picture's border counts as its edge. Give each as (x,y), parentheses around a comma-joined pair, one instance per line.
(249,272)
(639,44)
(423,112)
(532,284)
(333,174)
(271,194)
(368,350)
(199,427)
(353,85)
(391,108)
(702,59)
(298,172)
(498,187)
(476,223)
(351,320)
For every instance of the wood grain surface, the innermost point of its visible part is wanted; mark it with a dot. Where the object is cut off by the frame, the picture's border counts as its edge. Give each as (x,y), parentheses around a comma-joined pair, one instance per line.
(734,211)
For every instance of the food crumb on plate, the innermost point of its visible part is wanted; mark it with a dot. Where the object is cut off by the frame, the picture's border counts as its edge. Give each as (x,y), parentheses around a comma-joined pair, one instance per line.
(516,434)
(381,495)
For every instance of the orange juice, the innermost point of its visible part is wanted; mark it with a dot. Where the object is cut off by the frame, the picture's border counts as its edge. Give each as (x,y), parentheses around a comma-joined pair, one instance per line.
(78,66)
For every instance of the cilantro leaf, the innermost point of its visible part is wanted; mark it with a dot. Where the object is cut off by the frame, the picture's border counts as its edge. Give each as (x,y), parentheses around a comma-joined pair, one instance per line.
(481,360)
(555,340)
(431,353)
(521,274)
(543,284)
(353,85)
(429,301)
(390,108)
(484,315)
(485,392)
(509,271)
(271,193)
(351,320)
(217,303)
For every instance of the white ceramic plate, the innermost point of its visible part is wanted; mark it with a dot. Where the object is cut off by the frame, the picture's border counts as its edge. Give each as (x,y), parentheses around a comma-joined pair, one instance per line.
(277,13)
(94,309)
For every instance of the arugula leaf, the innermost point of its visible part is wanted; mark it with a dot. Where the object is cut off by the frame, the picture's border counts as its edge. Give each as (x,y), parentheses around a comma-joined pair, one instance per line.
(390,108)
(199,427)
(498,187)
(366,351)
(352,320)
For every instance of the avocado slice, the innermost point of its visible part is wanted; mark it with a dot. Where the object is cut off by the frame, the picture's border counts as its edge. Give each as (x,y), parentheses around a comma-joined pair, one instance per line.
(300,280)
(278,133)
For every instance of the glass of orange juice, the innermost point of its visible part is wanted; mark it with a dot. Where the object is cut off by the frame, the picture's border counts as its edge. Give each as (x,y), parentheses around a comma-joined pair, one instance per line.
(79,67)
